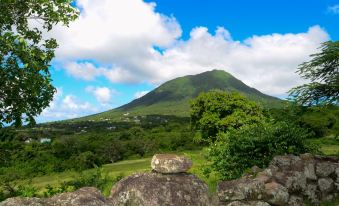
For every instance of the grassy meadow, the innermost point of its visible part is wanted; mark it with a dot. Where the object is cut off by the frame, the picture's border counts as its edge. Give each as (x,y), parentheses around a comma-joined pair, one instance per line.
(327,145)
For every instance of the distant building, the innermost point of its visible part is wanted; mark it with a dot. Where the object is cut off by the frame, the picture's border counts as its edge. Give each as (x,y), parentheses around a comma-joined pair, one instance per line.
(29,140)
(45,140)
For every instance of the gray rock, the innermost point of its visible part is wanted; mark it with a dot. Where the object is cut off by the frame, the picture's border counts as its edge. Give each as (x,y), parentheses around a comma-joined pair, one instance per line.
(22,201)
(307,157)
(150,189)
(325,169)
(294,181)
(286,161)
(170,163)
(276,194)
(240,189)
(309,171)
(337,174)
(248,203)
(311,193)
(326,185)
(295,201)
(87,196)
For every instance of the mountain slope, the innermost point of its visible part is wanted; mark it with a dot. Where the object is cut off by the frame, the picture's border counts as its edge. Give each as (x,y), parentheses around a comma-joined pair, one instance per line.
(172,97)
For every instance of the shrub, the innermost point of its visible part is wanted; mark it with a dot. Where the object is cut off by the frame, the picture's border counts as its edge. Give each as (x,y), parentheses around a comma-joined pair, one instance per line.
(237,150)
(219,111)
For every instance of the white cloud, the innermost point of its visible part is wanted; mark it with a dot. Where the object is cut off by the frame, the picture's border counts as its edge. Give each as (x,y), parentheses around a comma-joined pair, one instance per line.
(334,9)
(139,94)
(120,36)
(65,107)
(102,94)
(85,70)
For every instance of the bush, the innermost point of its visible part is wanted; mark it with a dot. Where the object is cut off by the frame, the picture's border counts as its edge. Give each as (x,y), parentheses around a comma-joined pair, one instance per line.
(219,111)
(237,150)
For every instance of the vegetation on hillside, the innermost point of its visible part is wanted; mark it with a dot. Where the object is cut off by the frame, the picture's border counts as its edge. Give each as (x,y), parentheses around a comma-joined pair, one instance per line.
(172,97)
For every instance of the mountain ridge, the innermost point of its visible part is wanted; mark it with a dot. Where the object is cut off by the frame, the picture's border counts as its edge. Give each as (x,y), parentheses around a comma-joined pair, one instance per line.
(172,97)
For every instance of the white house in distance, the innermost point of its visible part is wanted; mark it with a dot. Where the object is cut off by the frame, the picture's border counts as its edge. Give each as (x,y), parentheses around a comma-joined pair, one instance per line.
(45,140)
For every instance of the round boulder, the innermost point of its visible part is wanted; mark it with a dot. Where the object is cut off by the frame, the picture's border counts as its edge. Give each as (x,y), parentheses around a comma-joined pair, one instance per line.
(170,163)
(152,189)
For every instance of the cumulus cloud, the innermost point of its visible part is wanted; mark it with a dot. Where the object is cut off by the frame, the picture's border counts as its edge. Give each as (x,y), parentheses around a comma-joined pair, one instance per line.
(334,9)
(139,94)
(65,107)
(121,37)
(102,94)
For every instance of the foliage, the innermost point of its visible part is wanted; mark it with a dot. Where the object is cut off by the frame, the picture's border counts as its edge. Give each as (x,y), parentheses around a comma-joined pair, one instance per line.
(84,145)
(323,72)
(321,120)
(25,86)
(219,111)
(237,150)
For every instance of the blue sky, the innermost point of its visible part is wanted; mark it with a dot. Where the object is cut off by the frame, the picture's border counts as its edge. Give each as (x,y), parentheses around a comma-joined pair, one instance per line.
(119,50)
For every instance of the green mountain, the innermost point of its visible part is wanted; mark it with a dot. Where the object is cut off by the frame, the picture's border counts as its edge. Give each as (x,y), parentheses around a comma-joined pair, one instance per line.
(172,97)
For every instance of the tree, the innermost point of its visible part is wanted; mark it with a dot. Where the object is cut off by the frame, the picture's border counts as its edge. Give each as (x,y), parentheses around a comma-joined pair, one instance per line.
(238,150)
(323,72)
(218,111)
(25,80)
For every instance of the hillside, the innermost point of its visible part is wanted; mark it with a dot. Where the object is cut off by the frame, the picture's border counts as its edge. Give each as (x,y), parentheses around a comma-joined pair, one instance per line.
(172,97)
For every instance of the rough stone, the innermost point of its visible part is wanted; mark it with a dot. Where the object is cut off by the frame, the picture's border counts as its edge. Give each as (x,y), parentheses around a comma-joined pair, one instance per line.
(285,162)
(325,185)
(240,189)
(87,196)
(170,163)
(307,156)
(248,203)
(309,171)
(262,177)
(294,181)
(295,201)
(160,189)
(311,193)
(22,201)
(276,194)
(324,169)
(337,174)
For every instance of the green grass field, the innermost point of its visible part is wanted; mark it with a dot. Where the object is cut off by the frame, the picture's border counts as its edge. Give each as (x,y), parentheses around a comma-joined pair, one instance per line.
(328,146)
(123,168)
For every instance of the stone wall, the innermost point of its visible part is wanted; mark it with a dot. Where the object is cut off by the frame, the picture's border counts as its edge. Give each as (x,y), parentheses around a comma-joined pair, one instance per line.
(289,180)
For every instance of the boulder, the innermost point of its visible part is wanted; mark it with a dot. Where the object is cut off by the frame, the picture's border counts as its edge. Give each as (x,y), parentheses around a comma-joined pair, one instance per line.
(325,169)
(325,185)
(276,194)
(295,201)
(170,163)
(22,201)
(87,196)
(240,189)
(311,193)
(248,203)
(286,162)
(152,189)
(309,171)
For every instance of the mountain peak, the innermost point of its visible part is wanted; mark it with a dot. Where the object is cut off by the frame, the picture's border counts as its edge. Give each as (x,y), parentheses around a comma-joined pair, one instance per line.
(172,97)
(188,87)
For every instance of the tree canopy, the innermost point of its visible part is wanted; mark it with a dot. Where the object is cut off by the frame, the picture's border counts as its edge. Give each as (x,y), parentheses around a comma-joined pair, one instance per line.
(323,73)
(218,111)
(25,80)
